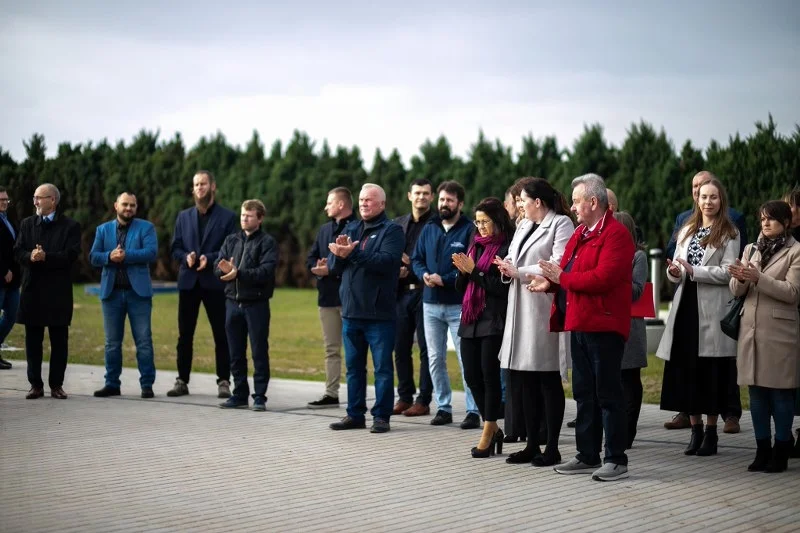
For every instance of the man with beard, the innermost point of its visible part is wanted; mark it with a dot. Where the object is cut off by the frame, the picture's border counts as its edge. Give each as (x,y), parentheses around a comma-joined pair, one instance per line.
(432,263)
(409,310)
(47,246)
(124,248)
(339,208)
(199,234)
(9,273)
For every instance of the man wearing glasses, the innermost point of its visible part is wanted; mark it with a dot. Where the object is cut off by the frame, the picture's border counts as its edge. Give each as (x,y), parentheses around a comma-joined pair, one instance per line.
(9,273)
(47,246)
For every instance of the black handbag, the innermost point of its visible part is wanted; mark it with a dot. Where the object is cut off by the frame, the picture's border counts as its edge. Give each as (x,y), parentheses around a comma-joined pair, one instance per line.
(731,321)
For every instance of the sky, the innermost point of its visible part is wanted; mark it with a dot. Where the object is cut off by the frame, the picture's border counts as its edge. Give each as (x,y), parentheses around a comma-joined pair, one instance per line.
(393,74)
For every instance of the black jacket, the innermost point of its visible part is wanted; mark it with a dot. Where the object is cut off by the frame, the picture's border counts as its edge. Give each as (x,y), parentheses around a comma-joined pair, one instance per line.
(255,257)
(492,320)
(7,260)
(327,286)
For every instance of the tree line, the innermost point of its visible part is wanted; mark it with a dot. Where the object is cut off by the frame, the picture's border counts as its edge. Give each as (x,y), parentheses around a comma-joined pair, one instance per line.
(651,178)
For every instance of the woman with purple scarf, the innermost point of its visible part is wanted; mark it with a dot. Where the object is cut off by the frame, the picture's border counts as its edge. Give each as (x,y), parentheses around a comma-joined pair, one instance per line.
(483,317)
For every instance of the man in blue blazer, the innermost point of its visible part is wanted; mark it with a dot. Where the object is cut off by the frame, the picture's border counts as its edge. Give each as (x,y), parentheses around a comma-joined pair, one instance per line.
(124,248)
(199,234)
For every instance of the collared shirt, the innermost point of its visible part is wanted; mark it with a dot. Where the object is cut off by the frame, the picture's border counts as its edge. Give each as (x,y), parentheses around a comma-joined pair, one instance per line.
(47,219)
(4,217)
(412,234)
(202,221)
(121,280)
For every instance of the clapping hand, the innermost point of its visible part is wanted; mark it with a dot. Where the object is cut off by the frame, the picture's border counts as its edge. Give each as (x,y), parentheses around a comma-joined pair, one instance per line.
(343,246)
(463,263)
(202,263)
(551,271)
(228,269)
(744,272)
(538,283)
(190,259)
(506,267)
(321,268)
(686,265)
(673,269)
(37,254)
(117,255)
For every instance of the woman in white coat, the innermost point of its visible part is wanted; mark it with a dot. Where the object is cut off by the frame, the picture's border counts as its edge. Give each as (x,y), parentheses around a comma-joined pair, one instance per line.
(529,350)
(700,357)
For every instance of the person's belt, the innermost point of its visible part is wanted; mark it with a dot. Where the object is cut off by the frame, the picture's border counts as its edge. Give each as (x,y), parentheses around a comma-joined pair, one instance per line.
(412,286)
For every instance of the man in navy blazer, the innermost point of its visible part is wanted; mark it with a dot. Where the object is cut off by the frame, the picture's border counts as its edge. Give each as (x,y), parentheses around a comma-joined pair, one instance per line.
(9,273)
(124,248)
(199,234)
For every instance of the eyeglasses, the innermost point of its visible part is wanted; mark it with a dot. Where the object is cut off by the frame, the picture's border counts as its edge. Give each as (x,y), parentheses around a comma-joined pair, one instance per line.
(481,223)
(35,198)
(5,201)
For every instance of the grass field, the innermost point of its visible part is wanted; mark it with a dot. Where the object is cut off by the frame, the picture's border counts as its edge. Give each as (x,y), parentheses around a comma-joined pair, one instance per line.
(295,340)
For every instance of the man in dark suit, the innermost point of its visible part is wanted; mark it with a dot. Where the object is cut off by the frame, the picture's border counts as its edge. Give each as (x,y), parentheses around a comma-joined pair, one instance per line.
(199,234)
(339,208)
(124,248)
(681,420)
(47,246)
(9,273)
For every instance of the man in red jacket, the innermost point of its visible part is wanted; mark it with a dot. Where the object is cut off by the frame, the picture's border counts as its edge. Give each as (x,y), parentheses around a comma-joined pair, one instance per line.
(593,300)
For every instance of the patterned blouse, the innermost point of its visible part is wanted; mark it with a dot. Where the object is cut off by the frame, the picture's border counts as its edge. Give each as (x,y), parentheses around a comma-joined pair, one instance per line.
(696,250)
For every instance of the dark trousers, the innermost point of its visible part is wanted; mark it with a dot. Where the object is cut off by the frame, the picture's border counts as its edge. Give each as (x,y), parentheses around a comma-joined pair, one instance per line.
(243,321)
(482,373)
(59,350)
(540,394)
(188,310)
(734,407)
(514,415)
(632,388)
(409,320)
(597,389)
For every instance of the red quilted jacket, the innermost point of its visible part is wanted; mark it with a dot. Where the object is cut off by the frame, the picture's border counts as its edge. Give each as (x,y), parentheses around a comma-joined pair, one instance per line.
(599,287)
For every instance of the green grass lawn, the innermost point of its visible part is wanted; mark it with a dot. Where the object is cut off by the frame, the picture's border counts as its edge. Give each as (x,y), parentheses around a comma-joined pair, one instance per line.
(295,340)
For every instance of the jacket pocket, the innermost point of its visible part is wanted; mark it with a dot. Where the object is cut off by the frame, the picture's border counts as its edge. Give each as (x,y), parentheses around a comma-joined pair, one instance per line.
(785,314)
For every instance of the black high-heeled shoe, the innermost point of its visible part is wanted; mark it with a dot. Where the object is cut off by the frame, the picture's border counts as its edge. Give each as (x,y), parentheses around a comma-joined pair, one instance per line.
(548,458)
(496,444)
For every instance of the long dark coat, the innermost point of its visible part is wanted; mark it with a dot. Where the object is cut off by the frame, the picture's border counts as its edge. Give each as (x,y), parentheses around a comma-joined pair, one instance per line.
(46,292)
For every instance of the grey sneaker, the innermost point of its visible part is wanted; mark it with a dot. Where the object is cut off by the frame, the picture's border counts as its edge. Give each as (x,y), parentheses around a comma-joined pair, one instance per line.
(224,389)
(379,425)
(610,472)
(180,389)
(575,466)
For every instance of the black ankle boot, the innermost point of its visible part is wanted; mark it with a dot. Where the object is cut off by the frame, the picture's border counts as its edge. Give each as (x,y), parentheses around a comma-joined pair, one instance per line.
(710,439)
(696,440)
(763,454)
(780,457)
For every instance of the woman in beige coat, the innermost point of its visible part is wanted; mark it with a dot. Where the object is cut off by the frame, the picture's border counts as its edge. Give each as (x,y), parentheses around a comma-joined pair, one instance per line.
(768,360)
(530,352)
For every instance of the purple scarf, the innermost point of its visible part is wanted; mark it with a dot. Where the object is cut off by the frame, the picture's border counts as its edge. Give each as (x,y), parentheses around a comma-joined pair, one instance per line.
(475,297)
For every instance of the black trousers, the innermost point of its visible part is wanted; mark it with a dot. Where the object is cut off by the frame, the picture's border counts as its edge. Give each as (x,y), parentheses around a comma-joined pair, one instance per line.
(482,373)
(632,389)
(59,352)
(734,407)
(409,320)
(515,415)
(243,322)
(188,310)
(539,394)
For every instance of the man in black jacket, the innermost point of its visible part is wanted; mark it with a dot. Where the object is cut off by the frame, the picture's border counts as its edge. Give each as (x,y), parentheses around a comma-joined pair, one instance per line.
(246,264)
(339,208)
(47,245)
(9,274)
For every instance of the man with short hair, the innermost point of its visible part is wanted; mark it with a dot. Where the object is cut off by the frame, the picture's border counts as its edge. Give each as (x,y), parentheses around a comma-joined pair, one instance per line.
(199,234)
(432,263)
(734,410)
(9,274)
(409,310)
(246,265)
(367,255)
(124,248)
(339,208)
(47,245)
(593,286)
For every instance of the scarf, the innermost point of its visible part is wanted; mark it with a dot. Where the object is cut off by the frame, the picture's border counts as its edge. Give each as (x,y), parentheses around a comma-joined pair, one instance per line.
(475,297)
(769,247)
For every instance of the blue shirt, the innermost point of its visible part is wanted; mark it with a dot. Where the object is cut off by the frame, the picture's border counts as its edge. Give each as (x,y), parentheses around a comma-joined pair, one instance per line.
(4,217)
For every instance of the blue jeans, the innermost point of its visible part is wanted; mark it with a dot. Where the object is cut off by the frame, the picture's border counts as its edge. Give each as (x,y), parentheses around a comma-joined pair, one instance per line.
(243,321)
(9,303)
(438,319)
(597,389)
(122,302)
(766,403)
(377,336)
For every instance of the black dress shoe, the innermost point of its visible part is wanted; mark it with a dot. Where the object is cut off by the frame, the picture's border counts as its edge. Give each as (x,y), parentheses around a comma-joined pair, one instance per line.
(472,421)
(442,418)
(4,365)
(35,392)
(58,393)
(147,392)
(572,423)
(348,423)
(106,391)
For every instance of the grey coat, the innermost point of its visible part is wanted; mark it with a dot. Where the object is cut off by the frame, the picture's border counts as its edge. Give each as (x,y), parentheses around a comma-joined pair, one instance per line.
(635,355)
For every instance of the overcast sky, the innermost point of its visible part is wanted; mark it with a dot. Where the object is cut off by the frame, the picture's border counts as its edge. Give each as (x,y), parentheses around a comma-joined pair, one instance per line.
(392,76)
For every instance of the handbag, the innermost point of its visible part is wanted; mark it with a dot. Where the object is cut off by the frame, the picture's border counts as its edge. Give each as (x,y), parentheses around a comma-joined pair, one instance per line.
(732,320)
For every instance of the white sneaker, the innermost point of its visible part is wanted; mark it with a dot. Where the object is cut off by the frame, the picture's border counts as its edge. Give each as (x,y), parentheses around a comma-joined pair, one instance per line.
(575,466)
(610,472)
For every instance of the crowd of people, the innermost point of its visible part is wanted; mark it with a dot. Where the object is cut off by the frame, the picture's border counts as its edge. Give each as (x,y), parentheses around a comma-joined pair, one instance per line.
(527,287)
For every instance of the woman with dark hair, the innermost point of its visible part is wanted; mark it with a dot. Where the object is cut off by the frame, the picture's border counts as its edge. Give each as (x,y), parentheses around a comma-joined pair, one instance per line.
(534,356)
(483,316)
(699,356)
(768,361)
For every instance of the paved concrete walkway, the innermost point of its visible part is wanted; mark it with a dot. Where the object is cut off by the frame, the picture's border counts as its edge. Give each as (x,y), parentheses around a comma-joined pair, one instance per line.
(127,464)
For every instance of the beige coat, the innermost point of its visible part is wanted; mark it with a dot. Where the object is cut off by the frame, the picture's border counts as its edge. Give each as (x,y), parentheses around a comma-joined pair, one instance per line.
(712,279)
(769,334)
(528,343)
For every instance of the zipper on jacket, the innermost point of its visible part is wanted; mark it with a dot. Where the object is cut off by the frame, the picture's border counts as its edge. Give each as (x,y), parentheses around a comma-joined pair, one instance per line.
(239,267)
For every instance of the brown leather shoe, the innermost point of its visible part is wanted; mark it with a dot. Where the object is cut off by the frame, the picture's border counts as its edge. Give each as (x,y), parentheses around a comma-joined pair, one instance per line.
(400,406)
(417,409)
(58,393)
(679,421)
(34,393)
(731,425)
